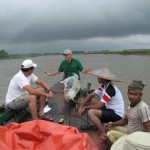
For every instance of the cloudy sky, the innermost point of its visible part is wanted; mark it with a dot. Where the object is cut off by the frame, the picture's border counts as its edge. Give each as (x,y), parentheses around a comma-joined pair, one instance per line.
(54,25)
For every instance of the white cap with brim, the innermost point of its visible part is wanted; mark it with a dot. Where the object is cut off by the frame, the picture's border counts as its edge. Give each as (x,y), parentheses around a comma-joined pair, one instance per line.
(135,141)
(67,51)
(28,64)
(105,74)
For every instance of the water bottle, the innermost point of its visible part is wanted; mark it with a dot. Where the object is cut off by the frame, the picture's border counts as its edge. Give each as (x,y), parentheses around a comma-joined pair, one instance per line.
(88,87)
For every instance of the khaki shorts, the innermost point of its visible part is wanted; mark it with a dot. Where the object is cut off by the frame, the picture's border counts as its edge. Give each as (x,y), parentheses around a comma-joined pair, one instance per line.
(20,102)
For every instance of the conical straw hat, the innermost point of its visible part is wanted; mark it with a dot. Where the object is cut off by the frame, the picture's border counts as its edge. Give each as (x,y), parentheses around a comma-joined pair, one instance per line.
(105,74)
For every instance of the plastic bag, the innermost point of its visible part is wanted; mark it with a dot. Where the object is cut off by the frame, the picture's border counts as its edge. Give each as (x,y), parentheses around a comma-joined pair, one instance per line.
(71,87)
(68,82)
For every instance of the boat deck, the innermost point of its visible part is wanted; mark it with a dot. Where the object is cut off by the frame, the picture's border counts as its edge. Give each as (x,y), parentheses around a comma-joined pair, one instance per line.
(60,110)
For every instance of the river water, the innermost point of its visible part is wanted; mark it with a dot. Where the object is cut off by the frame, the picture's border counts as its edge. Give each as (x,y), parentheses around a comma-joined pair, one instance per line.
(126,67)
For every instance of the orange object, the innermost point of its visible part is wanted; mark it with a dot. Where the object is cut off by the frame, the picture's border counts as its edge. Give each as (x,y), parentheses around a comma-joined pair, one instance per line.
(43,135)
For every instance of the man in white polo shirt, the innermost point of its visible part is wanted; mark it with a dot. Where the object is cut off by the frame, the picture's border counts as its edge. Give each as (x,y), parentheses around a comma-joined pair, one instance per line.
(21,94)
(107,103)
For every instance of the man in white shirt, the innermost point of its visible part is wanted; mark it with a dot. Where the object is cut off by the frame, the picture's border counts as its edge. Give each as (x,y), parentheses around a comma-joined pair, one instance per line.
(21,94)
(107,103)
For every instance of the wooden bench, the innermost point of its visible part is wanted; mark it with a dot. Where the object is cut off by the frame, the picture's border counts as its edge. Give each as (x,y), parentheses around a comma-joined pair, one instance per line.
(7,116)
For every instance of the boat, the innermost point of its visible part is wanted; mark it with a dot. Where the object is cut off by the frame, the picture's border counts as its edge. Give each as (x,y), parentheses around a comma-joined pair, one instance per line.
(62,112)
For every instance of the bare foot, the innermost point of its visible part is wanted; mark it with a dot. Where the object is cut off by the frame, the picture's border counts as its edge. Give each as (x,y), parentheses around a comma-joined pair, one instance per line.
(103,138)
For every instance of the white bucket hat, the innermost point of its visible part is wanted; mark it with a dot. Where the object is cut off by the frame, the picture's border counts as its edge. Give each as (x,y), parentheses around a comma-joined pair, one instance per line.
(28,64)
(105,74)
(134,141)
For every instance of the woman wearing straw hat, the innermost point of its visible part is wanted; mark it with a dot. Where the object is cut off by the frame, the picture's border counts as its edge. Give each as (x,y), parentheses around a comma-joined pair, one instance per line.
(137,116)
(108,107)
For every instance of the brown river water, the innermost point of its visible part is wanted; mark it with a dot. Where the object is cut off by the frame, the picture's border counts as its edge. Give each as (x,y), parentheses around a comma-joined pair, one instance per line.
(126,67)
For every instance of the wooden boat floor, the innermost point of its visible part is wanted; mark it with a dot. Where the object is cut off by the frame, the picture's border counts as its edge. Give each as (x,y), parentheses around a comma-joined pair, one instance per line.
(68,112)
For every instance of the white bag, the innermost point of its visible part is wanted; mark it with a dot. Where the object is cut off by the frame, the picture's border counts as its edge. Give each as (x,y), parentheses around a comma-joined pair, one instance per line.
(71,87)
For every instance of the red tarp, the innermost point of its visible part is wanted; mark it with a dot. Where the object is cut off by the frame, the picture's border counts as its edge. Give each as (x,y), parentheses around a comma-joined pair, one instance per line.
(43,135)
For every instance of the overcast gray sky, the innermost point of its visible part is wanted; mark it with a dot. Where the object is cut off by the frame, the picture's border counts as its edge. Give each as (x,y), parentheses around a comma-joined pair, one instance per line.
(54,25)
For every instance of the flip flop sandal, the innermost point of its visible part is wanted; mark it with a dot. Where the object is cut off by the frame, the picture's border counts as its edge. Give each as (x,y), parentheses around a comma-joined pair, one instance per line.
(85,127)
(45,117)
(88,127)
(61,121)
(93,127)
(104,139)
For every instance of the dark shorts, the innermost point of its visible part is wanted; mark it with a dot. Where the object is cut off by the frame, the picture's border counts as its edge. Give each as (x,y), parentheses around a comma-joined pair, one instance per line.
(109,115)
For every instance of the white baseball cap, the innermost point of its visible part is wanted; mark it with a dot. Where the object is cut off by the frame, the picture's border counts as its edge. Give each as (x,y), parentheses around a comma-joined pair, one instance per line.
(67,51)
(28,64)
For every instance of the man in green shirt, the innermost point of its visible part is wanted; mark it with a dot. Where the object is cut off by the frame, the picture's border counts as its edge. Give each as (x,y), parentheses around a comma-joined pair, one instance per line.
(69,66)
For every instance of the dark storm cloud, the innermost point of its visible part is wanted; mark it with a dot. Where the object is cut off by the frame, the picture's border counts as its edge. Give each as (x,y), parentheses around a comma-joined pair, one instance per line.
(69,22)
(89,23)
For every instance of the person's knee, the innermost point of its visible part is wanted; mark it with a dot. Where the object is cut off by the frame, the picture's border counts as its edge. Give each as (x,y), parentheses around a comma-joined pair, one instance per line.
(90,112)
(93,113)
(41,88)
(32,99)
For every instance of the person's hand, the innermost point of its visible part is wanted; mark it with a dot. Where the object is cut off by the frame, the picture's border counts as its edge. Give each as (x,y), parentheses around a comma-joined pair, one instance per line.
(50,94)
(80,111)
(107,126)
(47,73)
(87,70)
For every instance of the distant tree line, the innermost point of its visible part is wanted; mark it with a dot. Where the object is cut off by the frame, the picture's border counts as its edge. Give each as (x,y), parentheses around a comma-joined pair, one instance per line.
(6,55)
(3,54)
(123,52)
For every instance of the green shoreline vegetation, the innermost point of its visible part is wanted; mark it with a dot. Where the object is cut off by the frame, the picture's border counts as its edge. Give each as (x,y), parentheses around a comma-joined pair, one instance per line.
(5,55)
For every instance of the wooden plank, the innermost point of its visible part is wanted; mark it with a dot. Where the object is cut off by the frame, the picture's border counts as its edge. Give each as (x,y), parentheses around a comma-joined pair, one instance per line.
(69,113)
(59,109)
